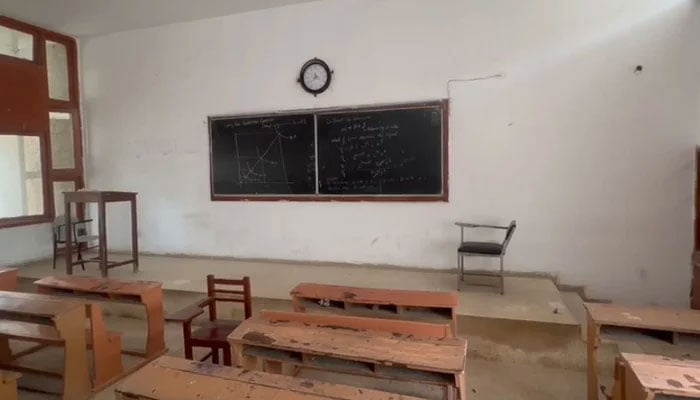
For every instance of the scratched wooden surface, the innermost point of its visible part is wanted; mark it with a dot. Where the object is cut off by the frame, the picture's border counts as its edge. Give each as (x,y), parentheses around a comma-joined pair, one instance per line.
(179,379)
(98,285)
(411,298)
(664,375)
(675,320)
(445,355)
(376,325)
(8,279)
(37,305)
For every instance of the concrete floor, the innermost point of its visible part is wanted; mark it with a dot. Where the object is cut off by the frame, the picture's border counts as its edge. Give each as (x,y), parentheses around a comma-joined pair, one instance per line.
(526,344)
(487,380)
(525,299)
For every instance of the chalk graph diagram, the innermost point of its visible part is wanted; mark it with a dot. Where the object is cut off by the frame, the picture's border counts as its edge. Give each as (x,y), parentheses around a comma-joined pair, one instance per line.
(261,158)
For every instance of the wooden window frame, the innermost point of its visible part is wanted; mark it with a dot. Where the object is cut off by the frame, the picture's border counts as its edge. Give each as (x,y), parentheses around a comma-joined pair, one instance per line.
(71,106)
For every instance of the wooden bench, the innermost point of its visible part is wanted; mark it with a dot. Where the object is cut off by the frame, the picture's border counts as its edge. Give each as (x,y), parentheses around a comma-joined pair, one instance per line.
(48,322)
(389,326)
(282,346)
(434,307)
(145,293)
(659,320)
(8,385)
(169,378)
(647,377)
(8,279)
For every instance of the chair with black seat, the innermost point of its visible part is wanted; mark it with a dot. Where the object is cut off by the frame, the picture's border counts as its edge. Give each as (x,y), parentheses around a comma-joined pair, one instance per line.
(80,235)
(482,249)
(213,334)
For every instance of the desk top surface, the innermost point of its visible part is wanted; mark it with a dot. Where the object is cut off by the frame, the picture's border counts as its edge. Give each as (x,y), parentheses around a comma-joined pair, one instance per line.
(98,285)
(38,305)
(180,379)
(416,298)
(665,375)
(676,320)
(90,196)
(446,355)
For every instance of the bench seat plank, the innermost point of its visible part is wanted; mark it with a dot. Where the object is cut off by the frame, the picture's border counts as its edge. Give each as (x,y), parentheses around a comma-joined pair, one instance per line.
(437,355)
(30,331)
(389,327)
(414,298)
(664,319)
(179,379)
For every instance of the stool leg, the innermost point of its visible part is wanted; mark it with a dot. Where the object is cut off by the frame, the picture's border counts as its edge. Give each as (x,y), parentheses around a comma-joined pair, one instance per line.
(215,355)
(502,283)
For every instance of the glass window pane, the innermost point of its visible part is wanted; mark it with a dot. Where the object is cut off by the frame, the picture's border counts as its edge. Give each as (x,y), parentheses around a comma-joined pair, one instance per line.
(57,68)
(61,128)
(32,154)
(16,43)
(58,189)
(20,176)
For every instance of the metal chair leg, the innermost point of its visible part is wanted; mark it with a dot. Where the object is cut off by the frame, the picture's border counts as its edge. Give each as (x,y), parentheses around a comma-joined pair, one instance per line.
(55,252)
(502,280)
(459,271)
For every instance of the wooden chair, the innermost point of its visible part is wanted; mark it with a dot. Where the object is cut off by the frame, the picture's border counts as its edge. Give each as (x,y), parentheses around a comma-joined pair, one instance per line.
(213,334)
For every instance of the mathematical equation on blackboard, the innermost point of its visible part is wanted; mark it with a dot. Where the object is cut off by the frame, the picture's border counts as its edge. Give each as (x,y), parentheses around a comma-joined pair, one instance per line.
(357,152)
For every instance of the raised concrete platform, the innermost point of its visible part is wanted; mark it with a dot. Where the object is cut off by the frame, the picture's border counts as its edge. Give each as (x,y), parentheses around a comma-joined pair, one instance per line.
(525,299)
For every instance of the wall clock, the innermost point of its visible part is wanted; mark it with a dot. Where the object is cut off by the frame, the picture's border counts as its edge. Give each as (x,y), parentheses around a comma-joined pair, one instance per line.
(315,76)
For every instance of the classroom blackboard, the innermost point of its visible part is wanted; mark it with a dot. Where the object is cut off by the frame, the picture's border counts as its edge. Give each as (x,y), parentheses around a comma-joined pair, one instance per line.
(395,152)
(263,155)
(381,152)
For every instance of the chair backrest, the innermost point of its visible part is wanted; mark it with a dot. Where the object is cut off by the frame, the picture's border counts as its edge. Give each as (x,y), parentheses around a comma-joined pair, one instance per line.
(509,234)
(80,229)
(238,292)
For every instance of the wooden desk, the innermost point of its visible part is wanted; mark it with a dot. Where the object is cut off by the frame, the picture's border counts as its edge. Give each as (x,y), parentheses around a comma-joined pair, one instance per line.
(8,279)
(8,385)
(146,293)
(45,320)
(261,344)
(101,198)
(647,377)
(414,305)
(169,378)
(648,318)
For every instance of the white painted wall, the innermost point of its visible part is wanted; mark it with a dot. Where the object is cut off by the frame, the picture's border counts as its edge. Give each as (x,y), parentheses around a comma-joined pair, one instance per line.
(23,244)
(595,162)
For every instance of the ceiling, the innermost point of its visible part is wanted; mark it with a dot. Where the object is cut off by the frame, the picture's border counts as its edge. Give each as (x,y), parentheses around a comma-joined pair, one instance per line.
(97,17)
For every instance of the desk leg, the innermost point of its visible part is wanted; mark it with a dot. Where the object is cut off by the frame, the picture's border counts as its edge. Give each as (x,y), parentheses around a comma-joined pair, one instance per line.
(461,382)
(618,392)
(102,227)
(106,349)
(68,248)
(8,389)
(243,361)
(593,338)
(5,351)
(134,236)
(153,301)
(76,375)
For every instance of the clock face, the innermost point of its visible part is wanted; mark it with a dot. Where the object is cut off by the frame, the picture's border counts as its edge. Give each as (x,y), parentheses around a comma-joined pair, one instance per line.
(315,76)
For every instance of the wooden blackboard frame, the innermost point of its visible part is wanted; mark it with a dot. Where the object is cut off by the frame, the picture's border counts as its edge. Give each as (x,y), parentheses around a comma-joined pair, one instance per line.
(442,197)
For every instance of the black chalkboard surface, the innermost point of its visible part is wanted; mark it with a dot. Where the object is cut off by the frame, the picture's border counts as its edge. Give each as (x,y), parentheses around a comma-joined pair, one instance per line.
(263,155)
(381,152)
